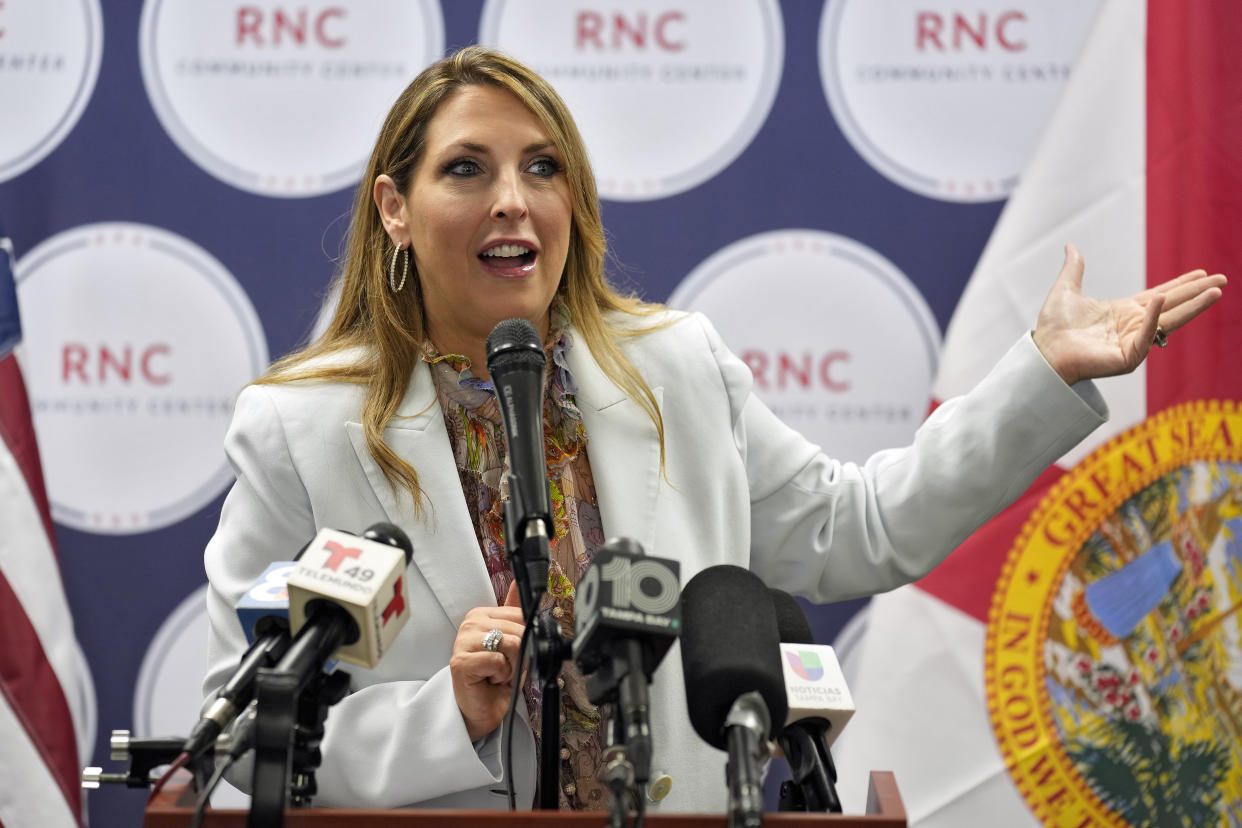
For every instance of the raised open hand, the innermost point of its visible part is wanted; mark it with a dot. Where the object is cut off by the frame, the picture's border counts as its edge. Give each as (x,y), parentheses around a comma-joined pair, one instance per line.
(1084,338)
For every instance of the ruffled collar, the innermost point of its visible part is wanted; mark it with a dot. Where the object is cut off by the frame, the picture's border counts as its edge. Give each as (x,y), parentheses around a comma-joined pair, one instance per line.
(456,382)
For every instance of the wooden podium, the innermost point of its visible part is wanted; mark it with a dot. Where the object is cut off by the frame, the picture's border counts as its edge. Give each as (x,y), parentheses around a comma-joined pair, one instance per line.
(175,805)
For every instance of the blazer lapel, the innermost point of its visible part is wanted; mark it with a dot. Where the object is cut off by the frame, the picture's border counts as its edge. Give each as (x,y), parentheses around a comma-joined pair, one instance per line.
(446,549)
(623,446)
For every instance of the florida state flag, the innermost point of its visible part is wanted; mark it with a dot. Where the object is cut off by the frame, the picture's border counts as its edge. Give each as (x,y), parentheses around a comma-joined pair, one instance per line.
(1077,662)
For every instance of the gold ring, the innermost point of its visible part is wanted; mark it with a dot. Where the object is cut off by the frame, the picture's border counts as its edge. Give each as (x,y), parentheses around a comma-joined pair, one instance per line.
(1161,339)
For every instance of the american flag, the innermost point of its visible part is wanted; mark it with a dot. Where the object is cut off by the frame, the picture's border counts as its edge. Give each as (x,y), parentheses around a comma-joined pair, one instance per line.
(44,682)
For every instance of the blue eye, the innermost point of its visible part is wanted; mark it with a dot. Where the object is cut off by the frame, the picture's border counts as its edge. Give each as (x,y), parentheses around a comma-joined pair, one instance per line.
(463,168)
(544,167)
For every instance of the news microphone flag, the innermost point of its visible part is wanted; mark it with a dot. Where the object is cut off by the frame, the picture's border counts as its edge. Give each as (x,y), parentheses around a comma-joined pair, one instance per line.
(44,681)
(268,596)
(1006,688)
(365,578)
(815,687)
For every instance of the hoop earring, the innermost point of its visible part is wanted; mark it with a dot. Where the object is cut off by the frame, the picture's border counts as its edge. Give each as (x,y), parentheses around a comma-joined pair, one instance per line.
(392,270)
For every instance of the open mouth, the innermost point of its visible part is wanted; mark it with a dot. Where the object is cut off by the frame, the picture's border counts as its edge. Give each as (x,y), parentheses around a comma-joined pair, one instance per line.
(508,258)
(509,261)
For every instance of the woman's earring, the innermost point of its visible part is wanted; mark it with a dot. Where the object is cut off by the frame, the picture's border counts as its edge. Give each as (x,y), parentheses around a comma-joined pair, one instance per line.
(392,270)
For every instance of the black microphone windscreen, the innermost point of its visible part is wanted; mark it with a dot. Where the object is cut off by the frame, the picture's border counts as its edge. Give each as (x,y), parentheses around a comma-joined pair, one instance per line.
(384,532)
(791,621)
(729,646)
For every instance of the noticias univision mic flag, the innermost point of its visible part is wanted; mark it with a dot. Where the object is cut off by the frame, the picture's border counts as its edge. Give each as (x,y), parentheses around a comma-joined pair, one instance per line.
(44,683)
(1077,662)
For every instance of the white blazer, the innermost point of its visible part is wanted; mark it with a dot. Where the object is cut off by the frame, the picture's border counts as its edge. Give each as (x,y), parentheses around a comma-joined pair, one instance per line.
(741,488)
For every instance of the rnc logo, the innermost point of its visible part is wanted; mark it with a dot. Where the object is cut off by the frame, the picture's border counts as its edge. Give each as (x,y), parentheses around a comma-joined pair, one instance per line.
(979,32)
(806,664)
(299,26)
(841,345)
(945,98)
(282,98)
(634,76)
(137,341)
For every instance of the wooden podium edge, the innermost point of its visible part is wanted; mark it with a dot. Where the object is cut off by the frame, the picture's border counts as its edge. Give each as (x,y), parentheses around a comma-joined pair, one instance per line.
(174,806)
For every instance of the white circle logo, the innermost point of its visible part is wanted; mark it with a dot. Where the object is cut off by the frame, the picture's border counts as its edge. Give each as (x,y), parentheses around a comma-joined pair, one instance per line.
(279,99)
(943,98)
(633,76)
(842,346)
(136,345)
(49,60)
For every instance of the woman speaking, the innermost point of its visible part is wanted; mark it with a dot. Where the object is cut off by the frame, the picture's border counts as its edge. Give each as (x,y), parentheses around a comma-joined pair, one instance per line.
(478,204)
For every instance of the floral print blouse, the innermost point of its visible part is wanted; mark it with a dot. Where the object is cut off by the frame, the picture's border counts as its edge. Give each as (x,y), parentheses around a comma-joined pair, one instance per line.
(476,432)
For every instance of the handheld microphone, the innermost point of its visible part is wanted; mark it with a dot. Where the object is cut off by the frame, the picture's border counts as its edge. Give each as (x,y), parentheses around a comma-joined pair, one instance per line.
(819,707)
(348,597)
(516,361)
(264,616)
(626,618)
(734,689)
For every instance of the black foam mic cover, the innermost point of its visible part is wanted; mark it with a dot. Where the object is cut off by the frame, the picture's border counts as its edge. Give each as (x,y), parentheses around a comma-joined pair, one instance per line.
(791,621)
(730,645)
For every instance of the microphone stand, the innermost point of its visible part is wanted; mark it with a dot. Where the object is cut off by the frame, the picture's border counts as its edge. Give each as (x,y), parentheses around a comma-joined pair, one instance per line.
(528,555)
(813,773)
(619,680)
(551,650)
(747,725)
(144,756)
(292,702)
(527,547)
(617,773)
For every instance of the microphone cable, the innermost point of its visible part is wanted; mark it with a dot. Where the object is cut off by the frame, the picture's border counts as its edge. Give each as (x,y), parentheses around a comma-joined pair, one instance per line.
(180,762)
(510,715)
(204,796)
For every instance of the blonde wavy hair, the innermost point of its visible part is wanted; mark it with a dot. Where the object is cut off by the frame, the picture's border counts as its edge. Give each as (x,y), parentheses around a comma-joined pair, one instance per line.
(388,329)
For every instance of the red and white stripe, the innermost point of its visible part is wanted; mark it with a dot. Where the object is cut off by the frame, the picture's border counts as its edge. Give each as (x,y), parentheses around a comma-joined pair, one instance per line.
(1140,167)
(46,696)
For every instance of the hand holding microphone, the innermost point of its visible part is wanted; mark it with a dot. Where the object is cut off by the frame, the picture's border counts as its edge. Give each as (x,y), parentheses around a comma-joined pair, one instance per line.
(484,663)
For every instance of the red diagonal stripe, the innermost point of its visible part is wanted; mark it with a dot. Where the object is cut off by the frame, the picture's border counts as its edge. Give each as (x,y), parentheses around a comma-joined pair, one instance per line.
(18,434)
(967,578)
(1194,188)
(33,692)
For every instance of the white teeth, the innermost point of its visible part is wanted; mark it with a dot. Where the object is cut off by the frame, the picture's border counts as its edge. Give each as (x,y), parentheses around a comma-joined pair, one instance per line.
(507,250)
